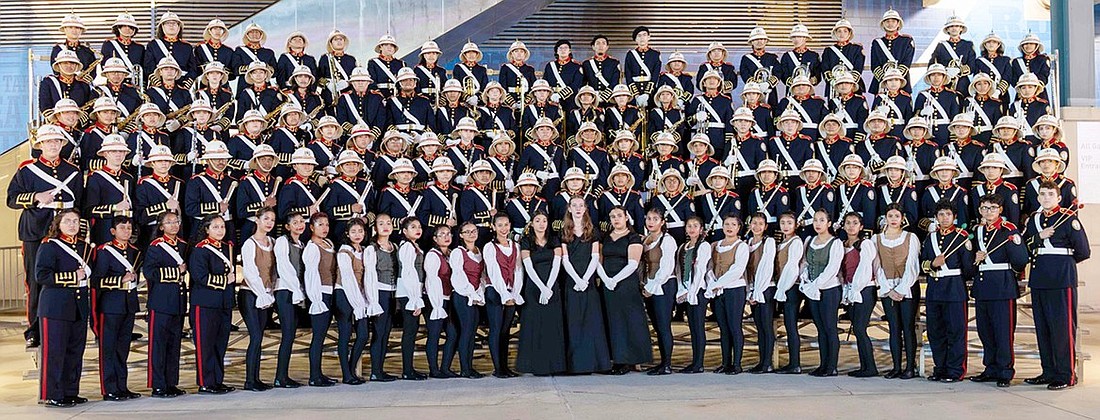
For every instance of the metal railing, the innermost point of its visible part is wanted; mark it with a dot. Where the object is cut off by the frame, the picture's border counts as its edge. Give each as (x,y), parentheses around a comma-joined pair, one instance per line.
(13,289)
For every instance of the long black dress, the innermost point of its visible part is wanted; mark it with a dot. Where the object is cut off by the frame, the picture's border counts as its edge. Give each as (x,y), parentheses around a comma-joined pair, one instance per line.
(585,336)
(628,327)
(542,330)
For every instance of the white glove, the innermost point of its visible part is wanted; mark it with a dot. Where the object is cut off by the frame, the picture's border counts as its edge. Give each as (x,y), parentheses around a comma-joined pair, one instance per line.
(693,180)
(730,160)
(517,106)
(509,184)
(680,103)
(191,156)
(331,171)
(472,100)
(172,124)
(642,100)
(651,184)
(461,179)
(307,126)
(933,226)
(555,97)
(217,127)
(545,295)
(542,175)
(136,161)
(701,116)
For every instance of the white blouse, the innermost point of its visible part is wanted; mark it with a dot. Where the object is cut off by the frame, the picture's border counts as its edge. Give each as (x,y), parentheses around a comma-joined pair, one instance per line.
(311,257)
(252,280)
(496,278)
(460,282)
(433,284)
(762,279)
(287,274)
(698,274)
(409,283)
(903,285)
(829,277)
(666,267)
(735,276)
(864,275)
(349,283)
(789,273)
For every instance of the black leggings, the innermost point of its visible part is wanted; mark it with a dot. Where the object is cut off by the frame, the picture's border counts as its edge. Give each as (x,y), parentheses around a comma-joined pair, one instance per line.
(437,327)
(790,325)
(256,320)
(288,322)
(500,328)
(697,320)
(381,327)
(467,318)
(320,323)
(861,318)
(729,308)
(660,314)
(345,322)
(410,325)
(901,317)
(763,316)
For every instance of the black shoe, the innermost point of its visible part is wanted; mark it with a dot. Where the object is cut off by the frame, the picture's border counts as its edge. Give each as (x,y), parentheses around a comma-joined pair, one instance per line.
(856,373)
(949,380)
(286,383)
(691,369)
(322,382)
(511,373)
(186,336)
(1057,385)
(1038,380)
(417,376)
(447,373)
(659,370)
(893,373)
(212,390)
(720,369)
(1004,383)
(273,326)
(763,369)
(226,388)
(980,378)
(176,391)
(76,400)
(32,343)
(130,395)
(257,387)
(135,337)
(63,403)
(111,396)
(471,374)
(908,374)
(355,380)
(382,377)
(234,328)
(935,378)
(499,374)
(790,370)
(734,370)
(817,371)
(162,393)
(864,373)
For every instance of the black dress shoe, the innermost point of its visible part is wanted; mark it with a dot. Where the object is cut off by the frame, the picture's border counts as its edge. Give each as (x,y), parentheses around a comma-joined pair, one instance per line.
(866,373)
(355,380)
(659,370)
(234,328)
(226,388)
(257,387)
(76,400)
(763,369)
(286,383)
(471,374)
(511,373)
(382,377)
(790,370)
(111,396)
(176,391)
(321,382)
(817,371)
(212,390)
(720,369)
(980,378)
(162,393)
(447,373)
(32,343)
(130,394)
(934,378)
(1038,380)
(135,336)
(1004,383)
(1057,385)
(949,380)
(63,403)
(892,373)
(417,376)
(497,374)
(907,374)
(855,373)
(691,369)
(734,370)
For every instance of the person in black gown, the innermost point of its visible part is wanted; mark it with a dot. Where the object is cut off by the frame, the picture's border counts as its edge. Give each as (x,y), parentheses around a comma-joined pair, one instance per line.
(628,329)
(542,330)
(585,339)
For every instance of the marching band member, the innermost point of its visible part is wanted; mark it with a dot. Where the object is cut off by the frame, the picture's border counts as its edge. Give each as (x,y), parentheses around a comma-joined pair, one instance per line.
(497,119)
(993,167)
(289,294)
(601,72)
(319,280)
(620,114)
(1000,256)
(1029,106)
(164,269)
(587,348)
(300,192)
(380,270)
(539,106)
(243,145)
(288,63)
(947,258)
(115,302)
(468,279)
(808,108)
(759,66)
(172,94)
(303,92)
(246,55)
(104,114)
(410,294)
(564,74)
(920,151)
(407,111)
(116,87)
(692,260)
(760,292)
(394,145)
(1054,286)
(478,203)
(768,198)
(857,277)
(726,291)
(431,78)
(122,46)
(255,295)
(208,193)
(1049,166)
(878,145)
(168,43)
(109,190)
(254,91)
(334,66)
(814,195)
(711,111)
(439,204)
(400,200)
(625,152)
(360,104)
(896,275)
(993,62)
(541,349)
(1031,60)
(798,60)
(894,50)
(666,115)
(985,106)
(664,160)
(287,137)
(502,160)
(790,148)
(747,150)
(641,66)
(675,78)
(897,189)
(944,171)
(64,84)
(939,103)
(1018,152)
(543,156)
(674,204)
(956,54)
(716,61)
(584,110)
(351,302)
(61,273)
(192,139)
(620,194)
(147,136)
(465,152)
(821,285)
(213,48)
(849,56)
(967,151)
(659,283)
(213,286)
(428,148)
(699,164)
(438,288)
(628,332)
(717,203)
(788,256)
(589,157)
(1048,133)
(325,145)
(503,292)
(72,26)
(895,102)
(832,147)
(848,105)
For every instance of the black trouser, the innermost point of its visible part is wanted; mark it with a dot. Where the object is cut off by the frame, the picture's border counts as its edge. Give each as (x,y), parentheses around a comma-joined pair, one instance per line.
(861,319)
(435,328)
(211,341)
(61,357)
(500,328)
(1055,312)
(114,350)
(947,337)
(825,314)
(660,314)
(320,324)
(763,315)
(165,333)
(255,319)
(379,344)
(467,317)
(289,324)
(30,254)
(345,322)
(697,320)
(729,308)
(902,320)
(790,325)
(410,325)
(996,322)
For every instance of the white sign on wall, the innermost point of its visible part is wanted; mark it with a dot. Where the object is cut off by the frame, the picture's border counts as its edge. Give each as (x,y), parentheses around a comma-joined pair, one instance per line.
(1088,162)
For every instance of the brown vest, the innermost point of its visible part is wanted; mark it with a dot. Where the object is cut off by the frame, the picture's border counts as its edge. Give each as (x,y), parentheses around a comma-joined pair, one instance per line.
(265,262)
(723,260)
(652,258)
(893,259)
(754,262)
(356,265)
(782,253)
(327,266)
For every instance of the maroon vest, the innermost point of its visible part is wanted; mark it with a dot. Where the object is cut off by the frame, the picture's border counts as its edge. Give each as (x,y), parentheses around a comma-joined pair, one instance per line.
(472,269)
(444,273)
(849,265)
(507,265)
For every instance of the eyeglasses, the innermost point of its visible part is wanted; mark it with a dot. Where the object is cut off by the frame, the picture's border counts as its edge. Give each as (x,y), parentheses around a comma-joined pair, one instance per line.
(988,208)
(442,234)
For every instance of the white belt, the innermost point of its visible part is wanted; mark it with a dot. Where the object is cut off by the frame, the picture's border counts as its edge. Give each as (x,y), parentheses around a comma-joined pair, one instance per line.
(386,287)
(385,85)
(640,79)
(921,177)
(1054,251)
(946,273)
(790,172)
(57,205)
(326,289)
(746,173)
(810,125)
(994,267)
(714,125)
(429,90)
(410,127)
(967,174)
(941,121)
(771,219)
(1013,174)
(82,283)
(675,224)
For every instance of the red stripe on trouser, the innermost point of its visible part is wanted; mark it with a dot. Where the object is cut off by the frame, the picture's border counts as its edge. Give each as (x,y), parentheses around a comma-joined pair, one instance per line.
(44,378)
(198,343)
(99,329)
(1012,333)
(1071,332)
(966,336)
(149,364)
